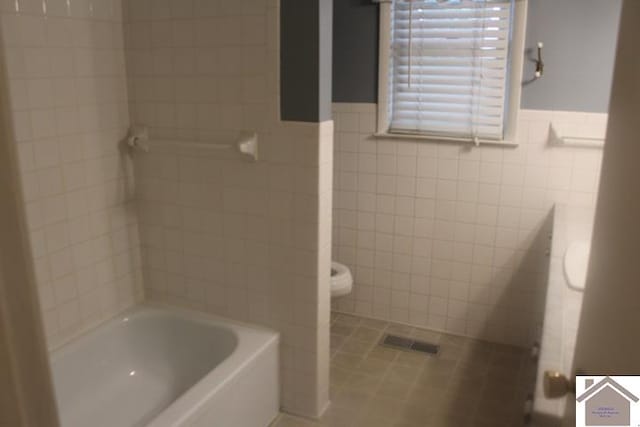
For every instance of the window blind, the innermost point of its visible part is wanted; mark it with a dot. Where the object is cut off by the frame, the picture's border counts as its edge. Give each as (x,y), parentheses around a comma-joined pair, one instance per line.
(449,67)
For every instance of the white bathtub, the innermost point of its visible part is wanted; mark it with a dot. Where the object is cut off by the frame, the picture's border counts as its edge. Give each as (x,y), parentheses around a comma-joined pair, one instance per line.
(160,367)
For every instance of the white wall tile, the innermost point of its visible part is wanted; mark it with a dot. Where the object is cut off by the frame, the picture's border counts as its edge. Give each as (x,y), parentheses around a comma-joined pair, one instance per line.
(56,88)
(248,241)
(473,225)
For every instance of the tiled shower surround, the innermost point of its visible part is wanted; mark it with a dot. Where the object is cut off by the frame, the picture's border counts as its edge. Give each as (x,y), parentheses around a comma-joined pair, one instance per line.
(219,233)
(251,241)
(452,237)
(68,104)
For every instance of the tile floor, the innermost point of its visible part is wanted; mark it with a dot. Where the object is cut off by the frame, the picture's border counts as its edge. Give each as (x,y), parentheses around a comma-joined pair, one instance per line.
(470,383)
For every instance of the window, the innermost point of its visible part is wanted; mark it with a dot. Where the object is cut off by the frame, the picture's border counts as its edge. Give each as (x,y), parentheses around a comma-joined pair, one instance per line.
(447,68)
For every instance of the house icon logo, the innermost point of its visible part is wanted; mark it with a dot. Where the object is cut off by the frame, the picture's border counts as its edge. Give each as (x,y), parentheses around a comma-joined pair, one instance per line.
(606,402)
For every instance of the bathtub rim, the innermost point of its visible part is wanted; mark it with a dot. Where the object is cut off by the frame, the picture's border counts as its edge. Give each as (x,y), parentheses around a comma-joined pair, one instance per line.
(193,401)
(252,341)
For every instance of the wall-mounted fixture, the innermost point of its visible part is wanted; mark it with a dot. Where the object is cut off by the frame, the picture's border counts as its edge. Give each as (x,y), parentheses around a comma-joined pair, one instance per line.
(577,135)
(138,135)
(138,140)
(539,62)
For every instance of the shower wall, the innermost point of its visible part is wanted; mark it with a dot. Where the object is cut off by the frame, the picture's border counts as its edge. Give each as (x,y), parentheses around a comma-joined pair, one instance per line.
(220,233)
(68,102)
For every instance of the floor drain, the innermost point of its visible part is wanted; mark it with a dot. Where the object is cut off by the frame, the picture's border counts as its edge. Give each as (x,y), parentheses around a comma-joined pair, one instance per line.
(409,344)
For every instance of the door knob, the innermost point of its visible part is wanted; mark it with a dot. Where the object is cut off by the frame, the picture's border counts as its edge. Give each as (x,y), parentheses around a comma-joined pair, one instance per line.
(557,385)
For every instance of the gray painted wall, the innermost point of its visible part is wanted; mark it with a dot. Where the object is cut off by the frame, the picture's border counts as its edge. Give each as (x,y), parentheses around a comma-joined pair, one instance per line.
(305,60)
(326,59)
(579,38)
(355,51)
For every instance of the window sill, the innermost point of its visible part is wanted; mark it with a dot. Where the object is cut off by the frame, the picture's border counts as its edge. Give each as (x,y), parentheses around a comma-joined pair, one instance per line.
(434,138)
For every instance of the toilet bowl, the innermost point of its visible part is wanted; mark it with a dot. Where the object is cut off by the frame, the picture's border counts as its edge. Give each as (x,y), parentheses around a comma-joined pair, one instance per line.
(576,262)
(341,280)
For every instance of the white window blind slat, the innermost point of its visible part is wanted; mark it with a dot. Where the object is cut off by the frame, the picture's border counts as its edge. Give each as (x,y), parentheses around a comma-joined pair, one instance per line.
(457,24)
(453,108)
(417,91)
(426,71)
(448,67)
(452,80)
(443,61)
(426,106)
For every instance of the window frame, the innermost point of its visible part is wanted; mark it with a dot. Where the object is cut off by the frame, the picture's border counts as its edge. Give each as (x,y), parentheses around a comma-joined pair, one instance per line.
(512,101)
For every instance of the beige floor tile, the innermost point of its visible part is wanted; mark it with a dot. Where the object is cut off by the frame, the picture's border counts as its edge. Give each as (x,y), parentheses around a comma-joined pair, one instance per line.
(373,367)
(477,366)
(437,364)
(505,348)
(452,408)
(481,345)
(427,397)
(436,375)
(368,421)
(386,408)
(476,384)
(383,353)
(398,329)
(507,360)
(355,346)
(502,392)
(453,352)
(374,324)
(476,355)
(333,317)
(334,390)
(471,383)
(342,329)
(427,336)
(404,423)
(363,333)
(503,374)
(463,397)
(362,382)
(496,422)
(348,319)
(285,420)
(412,359)
(397,389)
(528,374)
(505,409)
(373,420)
(350,399)
(448,420)
(336,340)
(338,375)
(463,387)
(346,360)
(336,416)
(417,412)
(454,340)
(403,373)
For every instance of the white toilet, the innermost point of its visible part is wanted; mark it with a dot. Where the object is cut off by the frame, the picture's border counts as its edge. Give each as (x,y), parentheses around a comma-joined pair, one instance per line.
(341,280)
(576,262)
